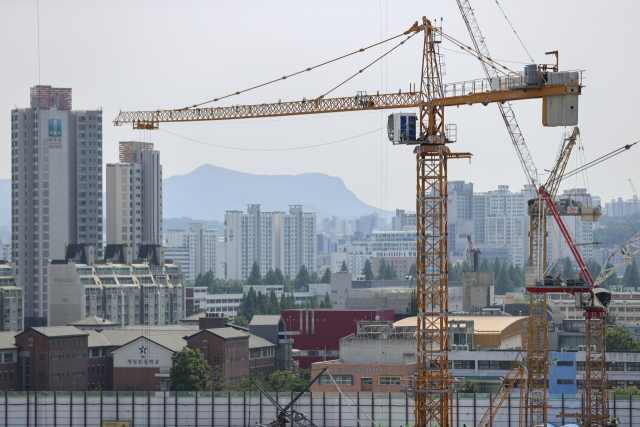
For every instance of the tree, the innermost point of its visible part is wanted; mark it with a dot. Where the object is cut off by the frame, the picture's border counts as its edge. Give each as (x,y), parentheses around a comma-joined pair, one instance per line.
(280,277)
(594,268)
(495,266)
(412,270)
(255,278)
(327,301)
(343,268)
(303,279)
(485,265)
(326,277)
(567,269)
(367,271)
(629,391)
(190,371)
(390,272)
(631,278)
(273,305)
(611,319)
(470,387)
(612,281)
(193,309)
(218,378)
(381,270)
(270,279)
(240,320)
(620,339)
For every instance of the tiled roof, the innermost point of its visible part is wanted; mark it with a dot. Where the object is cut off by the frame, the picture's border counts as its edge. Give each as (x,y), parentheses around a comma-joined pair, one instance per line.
(262,319)
(60,331)
(92,321)
(259,342)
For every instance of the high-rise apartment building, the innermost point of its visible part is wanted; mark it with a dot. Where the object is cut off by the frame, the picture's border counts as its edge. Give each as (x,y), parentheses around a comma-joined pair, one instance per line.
(460,213)
(501,220)
(273,239)
(134,196)
(622,207)
(56,178)
(203,249)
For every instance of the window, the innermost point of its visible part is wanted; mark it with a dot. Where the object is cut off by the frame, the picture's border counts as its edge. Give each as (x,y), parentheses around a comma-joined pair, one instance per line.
(205,344)
(55,357)
(564,363)
(40,376)
(79,356)
(227,361)
(54,376)
(79,374)
(340,380)
(367,381)
(216,359)
(613,366)
(40,357)
(633,366)
(581,366)
(464,364)
(8,357)
(565,382)
(388,380)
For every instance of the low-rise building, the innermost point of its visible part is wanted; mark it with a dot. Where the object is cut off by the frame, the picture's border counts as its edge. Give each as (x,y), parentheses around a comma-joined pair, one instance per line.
(227,348)
(8,362)
(11,300)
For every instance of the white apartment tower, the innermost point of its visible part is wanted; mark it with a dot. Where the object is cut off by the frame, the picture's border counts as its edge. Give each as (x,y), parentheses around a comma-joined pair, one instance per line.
(56,178)
(134,196)
(273,239)
(202,245)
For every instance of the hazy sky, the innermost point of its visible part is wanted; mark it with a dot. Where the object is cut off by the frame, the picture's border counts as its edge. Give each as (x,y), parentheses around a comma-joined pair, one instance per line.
(130,55)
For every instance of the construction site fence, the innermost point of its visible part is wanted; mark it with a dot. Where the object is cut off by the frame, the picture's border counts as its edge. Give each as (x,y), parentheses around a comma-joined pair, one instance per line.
(191,409)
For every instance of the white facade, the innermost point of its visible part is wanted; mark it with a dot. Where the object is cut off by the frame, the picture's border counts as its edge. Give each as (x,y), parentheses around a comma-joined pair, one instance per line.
(273,239)
(203,246)
(56,165)
(5,252)
(134,196)
(181,256)
(501,220)
(622,208)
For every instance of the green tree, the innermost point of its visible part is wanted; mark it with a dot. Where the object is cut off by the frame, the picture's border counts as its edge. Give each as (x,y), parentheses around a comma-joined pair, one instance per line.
(218,378)
(503,283)
(629,391)
(326,277)
(240,320)
(302,280)
(485,265)
(343,268)
(367,271)
(469,387)
(193,309)
(390,272)
(413,304)
(255,278)
(270,279)
(381,270)
(631,278)
(280,277)
(190,371)
(594,268)
(620,339)
(567,269)
(412,270)
(496,266)
(287,301)
(274,304)
(327,300)
(612,281)
(611,319)
(263,302)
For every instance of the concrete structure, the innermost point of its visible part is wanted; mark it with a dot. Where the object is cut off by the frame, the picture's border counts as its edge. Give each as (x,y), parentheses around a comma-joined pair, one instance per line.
(146,291)
(397,299)
(460,216)
(181,256)
(273,239)
(56,176)
(5,251)
(203,249)
(477,291)
(403,220)
(93,323)
(134,196)
(11,299)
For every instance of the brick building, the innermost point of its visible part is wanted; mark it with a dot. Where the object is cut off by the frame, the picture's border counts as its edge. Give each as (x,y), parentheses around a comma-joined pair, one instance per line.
(316,332)
(52,358)
(353,377)
(262,355)
(8,362)
(225,347)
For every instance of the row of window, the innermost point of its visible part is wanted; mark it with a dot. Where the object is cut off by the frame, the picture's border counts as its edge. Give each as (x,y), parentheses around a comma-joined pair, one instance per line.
(55,376)
(348,380)
(69,343)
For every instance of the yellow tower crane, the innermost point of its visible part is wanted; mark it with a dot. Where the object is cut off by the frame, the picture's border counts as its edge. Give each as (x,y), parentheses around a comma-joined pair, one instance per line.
(434,385)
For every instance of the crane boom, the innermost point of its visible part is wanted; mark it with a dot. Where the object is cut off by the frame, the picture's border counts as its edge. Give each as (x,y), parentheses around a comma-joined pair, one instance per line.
(506,109)
(477,93)
(629,249)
